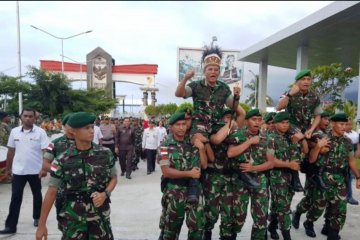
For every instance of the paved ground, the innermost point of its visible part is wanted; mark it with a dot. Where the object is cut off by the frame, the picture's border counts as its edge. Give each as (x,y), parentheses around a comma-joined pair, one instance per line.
(136,209)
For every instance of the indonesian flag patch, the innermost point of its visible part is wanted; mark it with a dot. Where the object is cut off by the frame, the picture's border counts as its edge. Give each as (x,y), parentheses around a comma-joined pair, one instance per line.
(54,166)
(164,153)
(50,147)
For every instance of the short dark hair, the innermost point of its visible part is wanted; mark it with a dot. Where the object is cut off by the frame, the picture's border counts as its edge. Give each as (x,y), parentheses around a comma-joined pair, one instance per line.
(28,110)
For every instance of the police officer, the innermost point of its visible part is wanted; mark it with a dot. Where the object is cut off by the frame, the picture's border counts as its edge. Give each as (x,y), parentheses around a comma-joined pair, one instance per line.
(86,173)
(248,144)
(180,161)
(336,161)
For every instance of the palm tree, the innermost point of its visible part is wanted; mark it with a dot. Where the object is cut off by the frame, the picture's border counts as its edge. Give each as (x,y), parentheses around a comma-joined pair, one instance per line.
(252,100)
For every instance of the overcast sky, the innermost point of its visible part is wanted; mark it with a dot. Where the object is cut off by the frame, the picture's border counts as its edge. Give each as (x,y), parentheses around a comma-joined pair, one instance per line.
(146,33)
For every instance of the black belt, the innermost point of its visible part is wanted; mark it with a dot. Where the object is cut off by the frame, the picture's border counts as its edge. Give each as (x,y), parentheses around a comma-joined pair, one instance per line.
(180,182)
(220,171)
(108,139)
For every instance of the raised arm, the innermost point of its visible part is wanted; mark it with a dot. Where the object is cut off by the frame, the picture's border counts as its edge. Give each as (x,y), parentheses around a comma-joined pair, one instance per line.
(180,90)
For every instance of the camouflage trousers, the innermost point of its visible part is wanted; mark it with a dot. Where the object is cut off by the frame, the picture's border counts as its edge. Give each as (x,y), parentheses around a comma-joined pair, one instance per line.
(78,220)
(306,202)
(218,201)
(175,209)
(136,156)
(281,197)
(259,206)
(333,199)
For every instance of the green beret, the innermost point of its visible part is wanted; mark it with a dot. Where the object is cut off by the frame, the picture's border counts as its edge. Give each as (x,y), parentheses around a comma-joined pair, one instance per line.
(281,116)
(176,117)
(185,110)
(269,116)
(252,113)
(325,114)
(303,73)
(339,117)
(65,119)
(227,111)
(81,119)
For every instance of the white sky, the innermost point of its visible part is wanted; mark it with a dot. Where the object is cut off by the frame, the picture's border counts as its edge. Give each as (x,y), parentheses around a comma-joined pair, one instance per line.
(146,32)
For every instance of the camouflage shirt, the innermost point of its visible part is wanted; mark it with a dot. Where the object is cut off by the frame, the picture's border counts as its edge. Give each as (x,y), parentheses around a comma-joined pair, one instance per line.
(83,171)
(138,136)
(209,101)
(182,156)
(4,134)
(303,108)
(57,146)
(256,153)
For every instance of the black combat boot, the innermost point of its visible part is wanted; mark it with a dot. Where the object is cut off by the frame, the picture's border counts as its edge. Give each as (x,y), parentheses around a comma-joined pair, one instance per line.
(226,238)
(161,237)
(233,237)
(295,219)
(273,226)
(295,182)
(248,180)
(309,229)
(333,234)
(286,234)
(326,227)
(207,235)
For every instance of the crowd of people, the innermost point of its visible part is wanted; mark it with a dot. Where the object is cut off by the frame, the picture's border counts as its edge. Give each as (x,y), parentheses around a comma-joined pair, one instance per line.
(215,159)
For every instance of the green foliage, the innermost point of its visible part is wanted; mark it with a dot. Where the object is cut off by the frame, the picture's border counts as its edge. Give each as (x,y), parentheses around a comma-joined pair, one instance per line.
(331,81)
(245,107)
(186,105)
(151,111)
(252,99)
(161,109)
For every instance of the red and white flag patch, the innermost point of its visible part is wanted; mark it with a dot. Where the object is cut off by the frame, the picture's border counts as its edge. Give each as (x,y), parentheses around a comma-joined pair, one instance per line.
(50,147)
(164,153)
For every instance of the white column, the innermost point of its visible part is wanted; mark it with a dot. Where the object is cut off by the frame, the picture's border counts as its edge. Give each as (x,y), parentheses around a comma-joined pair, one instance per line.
(301,58)
(263,67)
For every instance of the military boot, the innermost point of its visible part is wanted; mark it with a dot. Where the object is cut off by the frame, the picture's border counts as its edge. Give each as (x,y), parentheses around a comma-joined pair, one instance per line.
(326,227)
(273,226)
(248,180)
(295,219)
(286,234)
(295,182)
(161,237)
(333,234)
(226,238)
(309,229)
(233,237)
(207,235)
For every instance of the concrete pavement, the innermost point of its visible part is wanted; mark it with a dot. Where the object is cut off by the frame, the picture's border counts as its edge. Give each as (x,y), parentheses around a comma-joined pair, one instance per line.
(136,208)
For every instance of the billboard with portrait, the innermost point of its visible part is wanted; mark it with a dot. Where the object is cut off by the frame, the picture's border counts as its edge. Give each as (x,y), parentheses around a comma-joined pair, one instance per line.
(231,70)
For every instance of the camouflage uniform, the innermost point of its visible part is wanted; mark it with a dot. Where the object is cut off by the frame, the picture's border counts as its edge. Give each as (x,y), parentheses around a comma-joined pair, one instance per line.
(137,146)
(280,180)
(218,186)
(302,109)
(55,148)
(335,170)
(208,105)
(78,174)
(183,157)
(256,154)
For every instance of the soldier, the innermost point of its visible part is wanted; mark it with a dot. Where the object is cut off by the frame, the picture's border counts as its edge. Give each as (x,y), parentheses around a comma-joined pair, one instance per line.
(217,181)
(311,178)
(336,161)
(209,96)
(180,162)
(268,122)
(248,145)
(86,173)
(280,147)
(138,141)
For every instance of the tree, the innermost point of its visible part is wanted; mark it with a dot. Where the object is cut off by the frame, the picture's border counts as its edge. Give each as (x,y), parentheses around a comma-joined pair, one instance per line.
(330,81)
(245,106)
(185,105)
(151,111)
(252,99)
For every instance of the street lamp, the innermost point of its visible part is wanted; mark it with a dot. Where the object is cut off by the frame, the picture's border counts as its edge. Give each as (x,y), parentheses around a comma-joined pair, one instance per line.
(62,42)
(214,39)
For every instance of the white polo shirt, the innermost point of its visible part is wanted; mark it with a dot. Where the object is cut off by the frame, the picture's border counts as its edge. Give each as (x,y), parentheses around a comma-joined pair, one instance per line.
(28,146)
(97,134)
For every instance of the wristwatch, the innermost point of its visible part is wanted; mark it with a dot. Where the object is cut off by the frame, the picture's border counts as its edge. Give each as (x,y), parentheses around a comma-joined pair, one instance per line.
(108,194)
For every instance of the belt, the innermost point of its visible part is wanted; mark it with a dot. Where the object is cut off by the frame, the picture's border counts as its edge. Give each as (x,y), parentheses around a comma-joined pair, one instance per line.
(108,139)
(220,171)
(78,197)
(179,182)
(335,170)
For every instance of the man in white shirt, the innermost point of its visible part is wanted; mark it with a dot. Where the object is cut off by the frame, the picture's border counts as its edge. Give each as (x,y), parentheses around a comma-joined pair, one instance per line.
(24,162)
(162,131)
(97,135)
(150,143)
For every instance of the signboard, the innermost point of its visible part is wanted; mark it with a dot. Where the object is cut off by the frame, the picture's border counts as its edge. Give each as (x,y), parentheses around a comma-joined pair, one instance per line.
(99,72)
(231,70)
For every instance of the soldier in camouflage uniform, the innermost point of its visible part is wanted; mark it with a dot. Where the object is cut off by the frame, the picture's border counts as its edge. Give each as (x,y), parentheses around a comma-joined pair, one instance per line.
(209,96)
(86,173)
(218,183)
(248,145)
(4,136)
(311,176)
(138,141)
(336,161)
(180,161)
(281,149)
